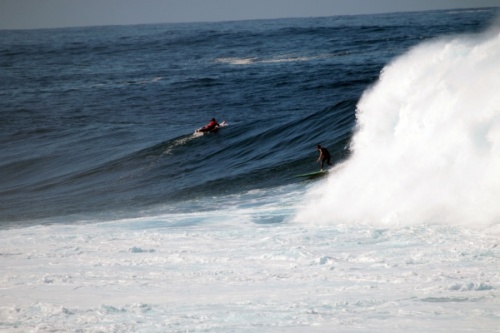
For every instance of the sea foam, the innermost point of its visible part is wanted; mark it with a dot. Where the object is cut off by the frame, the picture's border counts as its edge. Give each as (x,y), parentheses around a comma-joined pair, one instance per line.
(427,143)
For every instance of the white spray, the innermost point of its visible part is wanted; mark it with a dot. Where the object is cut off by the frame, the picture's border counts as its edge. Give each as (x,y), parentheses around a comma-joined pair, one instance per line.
(427,147)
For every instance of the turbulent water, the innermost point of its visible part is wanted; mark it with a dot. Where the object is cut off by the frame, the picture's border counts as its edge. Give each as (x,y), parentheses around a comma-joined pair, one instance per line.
(116,216)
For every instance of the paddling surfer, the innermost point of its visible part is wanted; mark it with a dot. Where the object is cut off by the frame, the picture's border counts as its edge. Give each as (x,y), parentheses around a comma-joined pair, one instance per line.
(212,125)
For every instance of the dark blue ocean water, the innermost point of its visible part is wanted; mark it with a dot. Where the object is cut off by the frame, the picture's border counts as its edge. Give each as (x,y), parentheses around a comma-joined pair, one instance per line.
(98,122)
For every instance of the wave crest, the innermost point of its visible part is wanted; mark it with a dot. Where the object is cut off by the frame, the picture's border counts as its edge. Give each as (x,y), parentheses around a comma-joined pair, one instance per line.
(427,147)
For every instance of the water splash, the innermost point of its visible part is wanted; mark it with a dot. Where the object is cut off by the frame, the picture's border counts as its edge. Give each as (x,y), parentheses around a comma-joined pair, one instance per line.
(427,148)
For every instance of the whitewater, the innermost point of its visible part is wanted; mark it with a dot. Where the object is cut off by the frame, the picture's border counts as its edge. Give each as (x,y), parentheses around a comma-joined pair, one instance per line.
(402,235)
(427,147)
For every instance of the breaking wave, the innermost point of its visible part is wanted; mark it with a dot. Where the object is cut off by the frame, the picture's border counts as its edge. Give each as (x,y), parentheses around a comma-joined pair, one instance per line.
(427,146)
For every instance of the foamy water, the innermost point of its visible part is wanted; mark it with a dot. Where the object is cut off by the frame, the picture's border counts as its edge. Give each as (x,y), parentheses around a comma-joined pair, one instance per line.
(427,149)
(120,276)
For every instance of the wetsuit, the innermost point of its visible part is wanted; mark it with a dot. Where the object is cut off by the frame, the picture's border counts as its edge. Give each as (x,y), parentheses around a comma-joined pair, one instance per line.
(210,126)
(326,157)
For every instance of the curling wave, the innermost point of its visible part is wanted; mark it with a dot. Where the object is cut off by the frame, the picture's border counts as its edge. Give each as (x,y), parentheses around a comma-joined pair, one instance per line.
(427,146)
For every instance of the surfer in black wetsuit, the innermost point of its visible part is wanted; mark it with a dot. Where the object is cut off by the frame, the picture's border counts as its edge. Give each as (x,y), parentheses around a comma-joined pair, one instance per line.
(324,155)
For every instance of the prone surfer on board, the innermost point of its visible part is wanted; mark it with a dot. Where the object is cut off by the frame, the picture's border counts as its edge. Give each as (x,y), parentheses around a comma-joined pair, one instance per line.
(212,126)
(324,156)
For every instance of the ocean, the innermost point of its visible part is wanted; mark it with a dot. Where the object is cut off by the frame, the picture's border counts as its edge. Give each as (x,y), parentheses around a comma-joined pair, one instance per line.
(116,216)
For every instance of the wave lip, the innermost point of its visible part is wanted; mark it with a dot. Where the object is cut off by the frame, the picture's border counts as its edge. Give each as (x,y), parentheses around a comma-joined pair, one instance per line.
(427,146)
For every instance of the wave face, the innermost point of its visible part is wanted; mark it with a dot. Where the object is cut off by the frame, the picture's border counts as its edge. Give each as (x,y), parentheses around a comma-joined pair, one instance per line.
(97,123)
(427,145)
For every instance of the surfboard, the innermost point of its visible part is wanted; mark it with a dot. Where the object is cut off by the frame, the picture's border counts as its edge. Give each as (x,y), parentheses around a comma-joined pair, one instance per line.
(314,174)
